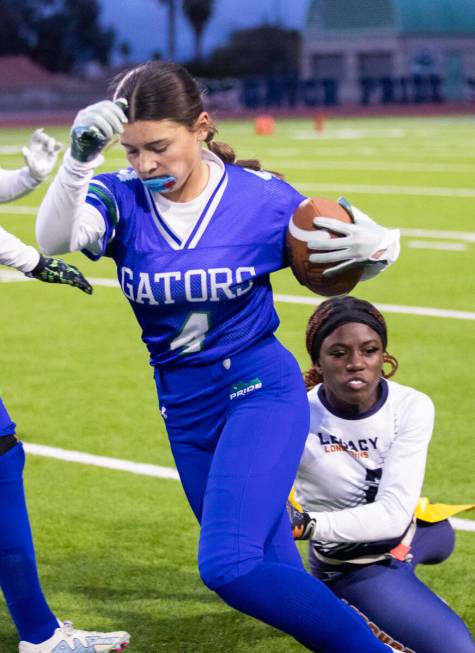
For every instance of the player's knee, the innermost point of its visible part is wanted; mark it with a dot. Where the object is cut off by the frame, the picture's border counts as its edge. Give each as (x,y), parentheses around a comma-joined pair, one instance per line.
(446,539)
(210,574)
(220,566)
(436,544)
(460,642)
(459,638)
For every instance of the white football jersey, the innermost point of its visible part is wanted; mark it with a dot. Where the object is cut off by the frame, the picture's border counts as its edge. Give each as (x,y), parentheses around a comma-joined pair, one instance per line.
(362,476)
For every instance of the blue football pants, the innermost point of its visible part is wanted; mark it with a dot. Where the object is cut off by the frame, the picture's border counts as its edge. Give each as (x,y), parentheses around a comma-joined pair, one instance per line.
(401,608)
(237,456)
(18,572)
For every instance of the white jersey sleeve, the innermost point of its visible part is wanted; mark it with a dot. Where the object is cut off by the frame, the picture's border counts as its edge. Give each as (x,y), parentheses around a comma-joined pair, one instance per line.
(65,223)
(361,479)
(15,184)
(14,253)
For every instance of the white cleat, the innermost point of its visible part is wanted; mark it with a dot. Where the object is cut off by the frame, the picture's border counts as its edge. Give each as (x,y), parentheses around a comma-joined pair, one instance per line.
(66,639)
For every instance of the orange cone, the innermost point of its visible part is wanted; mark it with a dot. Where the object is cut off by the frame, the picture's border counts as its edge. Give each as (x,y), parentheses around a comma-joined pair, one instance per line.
(264,125)
(320,122)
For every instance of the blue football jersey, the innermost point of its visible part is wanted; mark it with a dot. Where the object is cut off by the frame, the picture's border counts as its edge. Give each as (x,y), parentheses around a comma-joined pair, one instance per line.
(206,297)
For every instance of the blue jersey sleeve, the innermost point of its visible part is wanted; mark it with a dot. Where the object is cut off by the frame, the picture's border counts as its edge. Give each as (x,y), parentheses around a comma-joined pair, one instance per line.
(103,197)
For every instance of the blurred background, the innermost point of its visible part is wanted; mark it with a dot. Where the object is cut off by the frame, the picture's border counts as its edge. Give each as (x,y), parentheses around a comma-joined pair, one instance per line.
(289,57)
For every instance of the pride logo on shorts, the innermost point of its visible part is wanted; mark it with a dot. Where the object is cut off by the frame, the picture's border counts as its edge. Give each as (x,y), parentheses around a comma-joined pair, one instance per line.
(244,387)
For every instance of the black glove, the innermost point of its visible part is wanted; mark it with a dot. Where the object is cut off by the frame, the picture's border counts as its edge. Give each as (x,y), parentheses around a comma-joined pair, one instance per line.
(55,270)
(302,523)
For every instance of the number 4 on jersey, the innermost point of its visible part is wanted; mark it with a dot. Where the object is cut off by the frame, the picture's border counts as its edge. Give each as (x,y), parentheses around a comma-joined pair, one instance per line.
(192,333)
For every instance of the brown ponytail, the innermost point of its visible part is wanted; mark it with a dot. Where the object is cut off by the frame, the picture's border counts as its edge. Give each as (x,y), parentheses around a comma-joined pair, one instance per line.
(226,153)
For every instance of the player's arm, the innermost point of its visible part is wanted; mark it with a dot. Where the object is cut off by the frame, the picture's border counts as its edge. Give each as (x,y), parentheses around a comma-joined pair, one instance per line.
(363,241)
(65,222)
(403,473)
(40,158)
(24,258)
(16,254)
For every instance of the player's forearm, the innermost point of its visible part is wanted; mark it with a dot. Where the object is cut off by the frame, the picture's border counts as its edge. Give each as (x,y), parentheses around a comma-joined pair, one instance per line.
(14,253)
(15,184)
(381,520)
(59,223)
(388,516)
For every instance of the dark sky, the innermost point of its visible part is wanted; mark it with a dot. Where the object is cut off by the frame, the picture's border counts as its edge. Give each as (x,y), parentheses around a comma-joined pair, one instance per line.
(143,22)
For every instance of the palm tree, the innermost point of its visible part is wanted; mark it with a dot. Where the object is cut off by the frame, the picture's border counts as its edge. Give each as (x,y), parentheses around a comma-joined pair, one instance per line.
(171,4)
(198,13)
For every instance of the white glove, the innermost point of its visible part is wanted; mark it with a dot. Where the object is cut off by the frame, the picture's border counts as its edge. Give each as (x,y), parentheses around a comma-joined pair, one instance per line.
(363,242)
(41,155)
(95,126)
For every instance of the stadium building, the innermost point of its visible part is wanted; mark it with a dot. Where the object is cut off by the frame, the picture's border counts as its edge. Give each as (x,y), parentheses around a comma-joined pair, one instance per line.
(391,51)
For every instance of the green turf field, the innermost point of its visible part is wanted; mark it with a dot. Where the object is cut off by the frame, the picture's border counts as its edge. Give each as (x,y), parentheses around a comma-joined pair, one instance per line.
(118,550)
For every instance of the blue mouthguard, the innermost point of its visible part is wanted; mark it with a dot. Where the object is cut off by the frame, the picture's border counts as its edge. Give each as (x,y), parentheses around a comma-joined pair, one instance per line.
(160,184)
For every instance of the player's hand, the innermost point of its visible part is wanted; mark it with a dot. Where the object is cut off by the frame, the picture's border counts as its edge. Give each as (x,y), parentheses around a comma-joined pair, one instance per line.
(362,242)
(302,523)
(55,270)
(95,126)
(41,154)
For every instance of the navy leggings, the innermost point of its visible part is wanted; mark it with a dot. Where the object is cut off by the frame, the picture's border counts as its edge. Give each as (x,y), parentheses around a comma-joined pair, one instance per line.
(237,429)
(401,608)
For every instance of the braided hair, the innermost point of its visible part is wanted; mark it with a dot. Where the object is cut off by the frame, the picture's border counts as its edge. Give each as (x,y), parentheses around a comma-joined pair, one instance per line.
(331,314)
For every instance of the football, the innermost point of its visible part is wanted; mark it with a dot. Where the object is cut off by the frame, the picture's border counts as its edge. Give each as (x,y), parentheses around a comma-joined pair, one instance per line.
(302,230)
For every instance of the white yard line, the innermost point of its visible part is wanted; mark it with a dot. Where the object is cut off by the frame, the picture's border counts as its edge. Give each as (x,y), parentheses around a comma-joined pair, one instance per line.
(425,244)
(335,150)
(374,189)
(400,166)
(10,149)
(142,469)
(468,236)
(145,469)
(17,209)
(425,311)
(462,524)
(10,276)
(347,134)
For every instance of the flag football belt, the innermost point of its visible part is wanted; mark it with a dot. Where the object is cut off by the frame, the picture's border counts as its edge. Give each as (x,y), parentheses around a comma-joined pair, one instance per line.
(425,511)
(401,551)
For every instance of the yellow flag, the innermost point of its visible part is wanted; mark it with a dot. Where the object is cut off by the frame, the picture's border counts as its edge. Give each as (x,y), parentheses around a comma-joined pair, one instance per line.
(434,512)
